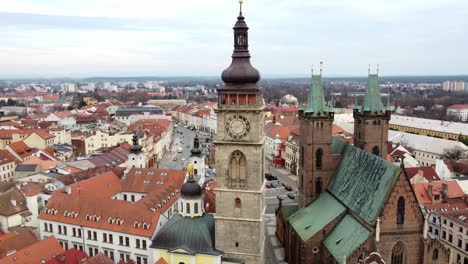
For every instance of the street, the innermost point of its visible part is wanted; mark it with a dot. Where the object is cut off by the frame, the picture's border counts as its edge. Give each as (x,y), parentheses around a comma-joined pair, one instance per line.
(178,161)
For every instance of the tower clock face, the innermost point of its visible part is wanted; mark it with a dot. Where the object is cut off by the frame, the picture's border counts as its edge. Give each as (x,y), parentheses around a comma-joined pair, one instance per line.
(237,126)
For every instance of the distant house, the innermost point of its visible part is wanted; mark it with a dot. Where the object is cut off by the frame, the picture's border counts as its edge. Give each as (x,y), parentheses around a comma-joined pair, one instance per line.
(25,170)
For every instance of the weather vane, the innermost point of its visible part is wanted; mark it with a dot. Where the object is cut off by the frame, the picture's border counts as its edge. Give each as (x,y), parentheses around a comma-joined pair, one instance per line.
(321,67)
(312,69)
(368,69)
(378,66)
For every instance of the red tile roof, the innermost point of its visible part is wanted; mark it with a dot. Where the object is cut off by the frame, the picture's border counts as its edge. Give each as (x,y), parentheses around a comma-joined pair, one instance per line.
(283,132)
(427,172)
(210,199)
(42,250)
(21,149)
(99,259)
(71,256)
(6,157)
(422,194)
(16,241)
(95,197)
(458,106)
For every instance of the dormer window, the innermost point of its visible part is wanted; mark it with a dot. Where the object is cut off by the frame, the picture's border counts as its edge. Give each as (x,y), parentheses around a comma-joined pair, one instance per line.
(136,224)
(110,220)
(436,197)
(65,213)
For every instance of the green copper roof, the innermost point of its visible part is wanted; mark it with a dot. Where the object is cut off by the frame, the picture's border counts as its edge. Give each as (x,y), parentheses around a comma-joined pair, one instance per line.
(194,235)
(372,101)
(316,98)
(338,145)
(348,235)
(310,220)
(287,210)
(363,182)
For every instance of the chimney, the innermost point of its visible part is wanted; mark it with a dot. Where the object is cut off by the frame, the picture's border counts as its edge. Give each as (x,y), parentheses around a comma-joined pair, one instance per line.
(13,202)
(421,172)
(68,190)
(429,190)
(445,188)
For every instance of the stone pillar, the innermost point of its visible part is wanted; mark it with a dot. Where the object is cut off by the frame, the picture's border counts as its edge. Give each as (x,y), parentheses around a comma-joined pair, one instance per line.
(377,230)
(425,227)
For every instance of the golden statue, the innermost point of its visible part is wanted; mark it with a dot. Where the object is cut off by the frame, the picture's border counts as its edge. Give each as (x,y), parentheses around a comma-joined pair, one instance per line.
(190,169)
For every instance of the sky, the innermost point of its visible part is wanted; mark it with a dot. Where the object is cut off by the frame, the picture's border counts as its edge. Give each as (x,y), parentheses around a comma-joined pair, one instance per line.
(85,38)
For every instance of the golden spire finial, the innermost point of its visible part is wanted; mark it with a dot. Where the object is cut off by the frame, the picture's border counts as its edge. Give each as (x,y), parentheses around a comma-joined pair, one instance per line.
(190,169)
(240,3)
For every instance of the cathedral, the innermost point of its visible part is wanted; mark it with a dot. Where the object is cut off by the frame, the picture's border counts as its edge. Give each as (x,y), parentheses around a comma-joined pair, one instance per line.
(354,205)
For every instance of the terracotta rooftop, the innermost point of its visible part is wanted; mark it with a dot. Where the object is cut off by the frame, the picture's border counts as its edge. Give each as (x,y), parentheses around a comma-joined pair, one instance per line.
(100,258)
(422,190)
(16,241)
(71,256)
(6,157)
(427,172)
(93,201)
(458,106)
(21,149)
(7,207)
(461,217)
(42,250)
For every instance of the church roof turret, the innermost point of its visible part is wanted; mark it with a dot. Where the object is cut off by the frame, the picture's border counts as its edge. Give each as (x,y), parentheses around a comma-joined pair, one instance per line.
(372,101)
(196,147)
(316,98)
(135,147)
(241,71)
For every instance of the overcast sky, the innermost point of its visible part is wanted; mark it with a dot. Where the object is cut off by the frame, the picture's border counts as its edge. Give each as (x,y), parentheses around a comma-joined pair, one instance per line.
(81,38)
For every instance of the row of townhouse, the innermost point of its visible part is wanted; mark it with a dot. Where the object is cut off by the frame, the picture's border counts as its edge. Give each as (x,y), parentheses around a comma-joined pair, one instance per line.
(116,217)
(200,116)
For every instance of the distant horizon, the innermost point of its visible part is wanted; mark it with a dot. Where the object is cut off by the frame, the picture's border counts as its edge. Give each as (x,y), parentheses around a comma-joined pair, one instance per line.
(463,77)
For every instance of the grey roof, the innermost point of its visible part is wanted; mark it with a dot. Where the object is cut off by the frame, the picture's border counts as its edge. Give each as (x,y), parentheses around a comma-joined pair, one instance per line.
(26,167)
(138,110)
(194,235)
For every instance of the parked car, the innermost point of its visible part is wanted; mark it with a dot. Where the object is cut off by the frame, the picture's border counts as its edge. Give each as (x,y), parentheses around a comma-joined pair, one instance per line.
(270,177)
(291,195)
(175,159)
(268,185)
(274,185)
(286,186)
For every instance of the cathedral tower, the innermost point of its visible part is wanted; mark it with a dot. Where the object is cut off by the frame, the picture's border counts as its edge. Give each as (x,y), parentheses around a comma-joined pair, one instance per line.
(315,162)
(371,120)
(240,157)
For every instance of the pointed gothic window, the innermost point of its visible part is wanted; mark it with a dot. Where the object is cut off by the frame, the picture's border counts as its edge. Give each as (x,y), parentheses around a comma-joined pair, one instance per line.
(398,253)
(401,211)
(195,208)
(318,159)
(376,151)
(188,209)
(435,254)
(237,169)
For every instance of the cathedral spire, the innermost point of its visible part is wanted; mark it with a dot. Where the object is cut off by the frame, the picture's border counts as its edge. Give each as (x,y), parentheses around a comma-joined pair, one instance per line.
(315,98)
(372,101)
(241,71)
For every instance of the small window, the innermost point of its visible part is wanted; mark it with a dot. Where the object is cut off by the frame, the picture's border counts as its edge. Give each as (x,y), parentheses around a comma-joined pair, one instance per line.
(238,203)
(401,211)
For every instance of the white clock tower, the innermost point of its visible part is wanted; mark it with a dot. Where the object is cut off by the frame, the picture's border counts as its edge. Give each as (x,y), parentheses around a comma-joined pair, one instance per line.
(239,156)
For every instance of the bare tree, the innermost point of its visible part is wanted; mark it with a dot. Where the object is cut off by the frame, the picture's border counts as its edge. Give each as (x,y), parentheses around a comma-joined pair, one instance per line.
(454,153)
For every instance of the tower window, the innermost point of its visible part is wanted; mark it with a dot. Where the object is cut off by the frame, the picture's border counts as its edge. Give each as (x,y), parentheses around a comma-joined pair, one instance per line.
(187,208)
(318,159)
(237,244)
(238,203)
(376,151)
(237,169)
(401,211)
(195,208)
(435,254)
